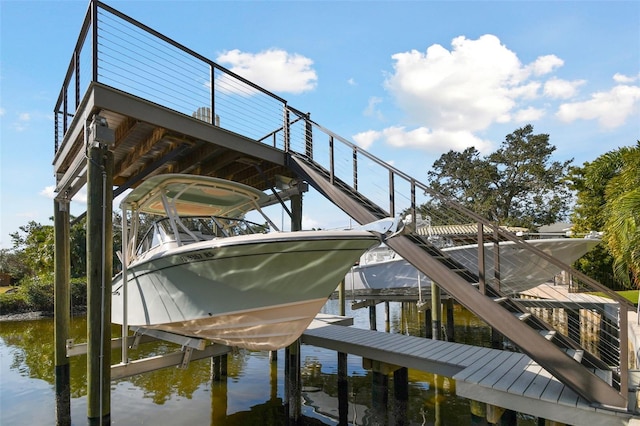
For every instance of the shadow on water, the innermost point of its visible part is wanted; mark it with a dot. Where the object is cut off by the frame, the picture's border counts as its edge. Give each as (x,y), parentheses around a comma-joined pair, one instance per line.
(252,394)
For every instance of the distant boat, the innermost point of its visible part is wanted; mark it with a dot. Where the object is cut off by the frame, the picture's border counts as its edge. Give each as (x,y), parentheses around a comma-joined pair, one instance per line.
(520,269)
(204,271)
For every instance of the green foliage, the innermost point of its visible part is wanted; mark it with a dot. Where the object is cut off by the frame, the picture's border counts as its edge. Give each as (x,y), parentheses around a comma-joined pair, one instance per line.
(37,294)
(608,199)
(34,244)
(14,303)
(516,185)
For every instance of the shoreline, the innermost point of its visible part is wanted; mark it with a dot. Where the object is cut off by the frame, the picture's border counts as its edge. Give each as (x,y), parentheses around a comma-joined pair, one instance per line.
(36,315)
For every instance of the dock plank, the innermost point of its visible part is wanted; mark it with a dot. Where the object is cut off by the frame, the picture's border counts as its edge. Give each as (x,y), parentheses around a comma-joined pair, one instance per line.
(507,379)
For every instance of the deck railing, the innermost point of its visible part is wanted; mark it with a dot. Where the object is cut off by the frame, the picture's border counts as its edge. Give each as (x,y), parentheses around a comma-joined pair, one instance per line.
(118,51)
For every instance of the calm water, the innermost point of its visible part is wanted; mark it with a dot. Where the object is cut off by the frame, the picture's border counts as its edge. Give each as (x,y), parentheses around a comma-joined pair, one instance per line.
(252,395)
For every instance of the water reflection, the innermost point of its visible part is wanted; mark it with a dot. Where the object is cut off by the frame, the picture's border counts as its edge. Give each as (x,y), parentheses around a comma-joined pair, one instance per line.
(252,394)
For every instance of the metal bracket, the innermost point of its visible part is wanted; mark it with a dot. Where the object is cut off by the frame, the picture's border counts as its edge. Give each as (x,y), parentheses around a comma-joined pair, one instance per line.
(186,358)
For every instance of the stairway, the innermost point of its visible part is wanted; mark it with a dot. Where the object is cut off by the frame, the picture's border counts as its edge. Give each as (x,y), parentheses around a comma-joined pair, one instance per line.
(586,374)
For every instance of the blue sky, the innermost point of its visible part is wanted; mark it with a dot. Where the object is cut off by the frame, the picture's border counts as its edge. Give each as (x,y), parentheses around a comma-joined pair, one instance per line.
(406,80)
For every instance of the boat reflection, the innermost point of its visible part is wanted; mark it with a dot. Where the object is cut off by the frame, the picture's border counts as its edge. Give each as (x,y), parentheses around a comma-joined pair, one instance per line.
(253,392)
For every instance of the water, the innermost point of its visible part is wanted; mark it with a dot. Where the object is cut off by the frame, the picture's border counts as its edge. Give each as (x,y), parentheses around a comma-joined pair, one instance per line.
(252,395)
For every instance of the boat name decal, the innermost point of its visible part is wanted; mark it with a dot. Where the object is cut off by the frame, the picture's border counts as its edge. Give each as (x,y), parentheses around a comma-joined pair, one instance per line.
(201,255)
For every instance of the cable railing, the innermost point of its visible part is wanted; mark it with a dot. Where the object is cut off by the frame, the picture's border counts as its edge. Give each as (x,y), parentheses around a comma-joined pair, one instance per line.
(118,51)
(534,274)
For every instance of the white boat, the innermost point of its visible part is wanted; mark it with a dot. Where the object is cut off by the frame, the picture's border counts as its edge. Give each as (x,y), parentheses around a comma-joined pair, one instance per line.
(204,271)
(381,268)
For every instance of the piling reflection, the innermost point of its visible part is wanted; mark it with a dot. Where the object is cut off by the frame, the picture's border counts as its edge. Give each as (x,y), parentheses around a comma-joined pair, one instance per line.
(336,389)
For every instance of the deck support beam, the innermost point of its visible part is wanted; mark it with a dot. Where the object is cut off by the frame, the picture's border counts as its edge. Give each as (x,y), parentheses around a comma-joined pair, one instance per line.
(99,273)
(62,310)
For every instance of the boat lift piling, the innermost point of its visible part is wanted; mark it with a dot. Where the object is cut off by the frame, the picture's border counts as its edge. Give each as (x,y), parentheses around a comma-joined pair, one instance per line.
(292,377)
(99,273)
(62,308)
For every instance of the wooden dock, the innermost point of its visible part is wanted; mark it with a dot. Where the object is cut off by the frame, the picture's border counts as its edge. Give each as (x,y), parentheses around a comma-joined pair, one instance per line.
(509,380)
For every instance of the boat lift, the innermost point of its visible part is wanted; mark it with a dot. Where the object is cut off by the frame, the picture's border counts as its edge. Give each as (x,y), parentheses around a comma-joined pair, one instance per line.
(192,349)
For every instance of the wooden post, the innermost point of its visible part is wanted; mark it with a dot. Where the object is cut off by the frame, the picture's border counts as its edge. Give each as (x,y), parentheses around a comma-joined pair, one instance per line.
(219,398)
(292,385)
(372,317)
(99,273)
(400,396)
(219,368)
(478,412)
(450,324)
(436,311)
(273,380)
(379,397)
(341,299)
(62,311)
(296,212)
(428,328)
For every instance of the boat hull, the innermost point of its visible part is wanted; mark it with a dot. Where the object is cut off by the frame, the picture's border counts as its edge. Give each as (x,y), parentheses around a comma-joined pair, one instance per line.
(256,292)
(520,269)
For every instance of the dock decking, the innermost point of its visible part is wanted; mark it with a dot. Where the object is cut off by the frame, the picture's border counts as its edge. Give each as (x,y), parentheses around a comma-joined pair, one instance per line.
(506,379)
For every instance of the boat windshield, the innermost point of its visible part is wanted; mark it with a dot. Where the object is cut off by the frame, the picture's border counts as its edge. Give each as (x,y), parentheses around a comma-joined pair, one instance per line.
(194,229)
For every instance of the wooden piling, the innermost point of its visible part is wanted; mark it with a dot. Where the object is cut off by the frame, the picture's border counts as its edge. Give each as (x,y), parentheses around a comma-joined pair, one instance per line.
(219,390)
(450,328)
(62,311)
(99,272)
(436,311)
(372,317)
(342,298)
(292,383)
(379,396)
(400,396)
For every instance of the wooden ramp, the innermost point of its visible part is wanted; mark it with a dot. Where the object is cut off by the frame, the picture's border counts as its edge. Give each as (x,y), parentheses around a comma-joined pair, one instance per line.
(506,379)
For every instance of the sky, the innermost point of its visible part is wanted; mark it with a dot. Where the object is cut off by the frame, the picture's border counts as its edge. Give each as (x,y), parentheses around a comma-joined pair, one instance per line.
(407,81)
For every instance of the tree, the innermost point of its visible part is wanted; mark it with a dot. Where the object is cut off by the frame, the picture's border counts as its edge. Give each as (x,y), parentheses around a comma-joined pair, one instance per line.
(34,243)
(517,185)
(608,200)
(622,223)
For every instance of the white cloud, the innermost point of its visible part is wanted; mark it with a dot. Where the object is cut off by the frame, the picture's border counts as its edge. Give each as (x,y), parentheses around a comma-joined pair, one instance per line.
(545,64)
(372,107)
(625,79)
(527,115)
(435,141)
(21,124)
(2,112)
(556,88)
(365,139)
(49,192)
(310,223)
(477,83)
(351,82)
(274,69)
(611,108)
